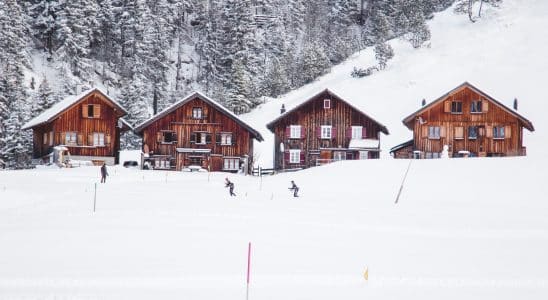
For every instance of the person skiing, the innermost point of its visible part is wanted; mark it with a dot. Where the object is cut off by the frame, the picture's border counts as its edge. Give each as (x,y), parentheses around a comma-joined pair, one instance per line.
(230,185)
(104,173)
(294,188)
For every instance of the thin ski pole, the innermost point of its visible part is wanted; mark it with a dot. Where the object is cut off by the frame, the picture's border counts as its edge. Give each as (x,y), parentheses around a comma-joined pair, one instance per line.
(403,181)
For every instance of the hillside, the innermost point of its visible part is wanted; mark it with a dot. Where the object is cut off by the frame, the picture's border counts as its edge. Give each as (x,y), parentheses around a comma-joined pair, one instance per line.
(504,54)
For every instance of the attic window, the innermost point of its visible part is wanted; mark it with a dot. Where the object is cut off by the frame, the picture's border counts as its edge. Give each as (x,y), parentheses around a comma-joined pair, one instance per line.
(197,113)
(326,103)
(91,111)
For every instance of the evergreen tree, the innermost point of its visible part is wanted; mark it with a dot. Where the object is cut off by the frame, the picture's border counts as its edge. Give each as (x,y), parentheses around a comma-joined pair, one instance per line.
(314,62)
(45,98)
(383,53)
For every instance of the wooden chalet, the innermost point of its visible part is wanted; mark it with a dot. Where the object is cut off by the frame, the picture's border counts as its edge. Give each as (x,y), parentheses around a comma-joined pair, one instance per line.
(467,122)
(323,129)
(197,132)
(88,125)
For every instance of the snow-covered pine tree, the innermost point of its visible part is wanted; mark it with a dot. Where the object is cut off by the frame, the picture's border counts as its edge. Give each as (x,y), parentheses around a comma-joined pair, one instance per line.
(42,20)
(15,143)
(314,62)
(78,26)
(44,99)
(383,53)
(135,98)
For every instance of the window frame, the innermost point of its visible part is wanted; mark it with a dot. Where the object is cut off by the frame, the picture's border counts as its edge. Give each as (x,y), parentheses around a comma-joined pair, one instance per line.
(97,137)
(196,115)
(327,103)
(476,107)
(476,128)
(226,139)
(295,131)
(355,130)
(432,130)
(455,104)
(171,134)
(499,133)
(294,156)
(324,129)
(231,164)
(68,138)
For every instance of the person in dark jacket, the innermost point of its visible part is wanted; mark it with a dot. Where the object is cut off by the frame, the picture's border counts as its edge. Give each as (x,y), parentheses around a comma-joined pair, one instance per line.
(104,173)
(294,188)
(230,185)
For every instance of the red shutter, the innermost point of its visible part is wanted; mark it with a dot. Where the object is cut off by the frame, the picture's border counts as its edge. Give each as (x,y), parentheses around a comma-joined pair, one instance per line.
(364,133)
(333,132)
(348,132)
(303,132)
(319,131)
(302,157)
(288,132)
(286,155)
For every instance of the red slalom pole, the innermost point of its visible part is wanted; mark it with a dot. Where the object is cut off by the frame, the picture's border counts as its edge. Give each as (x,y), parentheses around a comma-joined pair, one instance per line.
(248,269)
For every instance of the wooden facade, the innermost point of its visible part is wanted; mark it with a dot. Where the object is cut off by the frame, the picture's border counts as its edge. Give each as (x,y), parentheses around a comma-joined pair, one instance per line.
(323,129)
(89,125)
(198,132)
(467,122)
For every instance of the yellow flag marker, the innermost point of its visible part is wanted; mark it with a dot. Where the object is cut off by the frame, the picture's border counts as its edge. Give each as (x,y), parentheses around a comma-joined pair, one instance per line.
(366,273)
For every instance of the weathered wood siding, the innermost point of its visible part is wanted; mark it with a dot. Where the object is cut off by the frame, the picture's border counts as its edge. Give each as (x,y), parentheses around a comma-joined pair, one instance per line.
(73,120)
(311,116)
(183,124)
(484,145)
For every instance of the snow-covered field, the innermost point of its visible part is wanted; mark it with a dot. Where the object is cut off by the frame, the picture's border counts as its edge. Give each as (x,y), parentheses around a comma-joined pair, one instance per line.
(463,228)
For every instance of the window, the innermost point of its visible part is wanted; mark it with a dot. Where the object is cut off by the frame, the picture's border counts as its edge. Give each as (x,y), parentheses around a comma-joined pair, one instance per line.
(326,132)
(295,131)
(98,139)
(294,156)
(200,138)
(498,132)
(433,132)
(195,160)
(197,113)
(50,138)
(45,139)
(326,103)
(357,132)
(70,138)
(226,138)
(91,111)
(456,107)
(232,164)
(435,155)
(459,133)
(475,106)
(473,132)
(339,155)
(364,154)
(168,137)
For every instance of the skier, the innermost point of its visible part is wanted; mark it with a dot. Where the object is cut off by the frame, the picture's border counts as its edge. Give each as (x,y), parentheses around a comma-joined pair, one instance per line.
(104,173)
(230,185)
(294,188)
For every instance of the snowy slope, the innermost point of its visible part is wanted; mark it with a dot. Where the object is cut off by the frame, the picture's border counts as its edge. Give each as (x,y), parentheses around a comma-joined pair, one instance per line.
(473,233)
(503,54)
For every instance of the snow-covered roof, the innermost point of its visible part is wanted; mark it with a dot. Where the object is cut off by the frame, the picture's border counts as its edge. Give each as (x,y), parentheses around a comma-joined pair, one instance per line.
(139,128)
(285,114)
(59,107)
(408,120)
(364,144)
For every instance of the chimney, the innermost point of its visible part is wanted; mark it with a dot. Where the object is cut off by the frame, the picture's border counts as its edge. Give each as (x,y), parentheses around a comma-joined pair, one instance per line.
(282,110)
(515,103)
(423,103)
